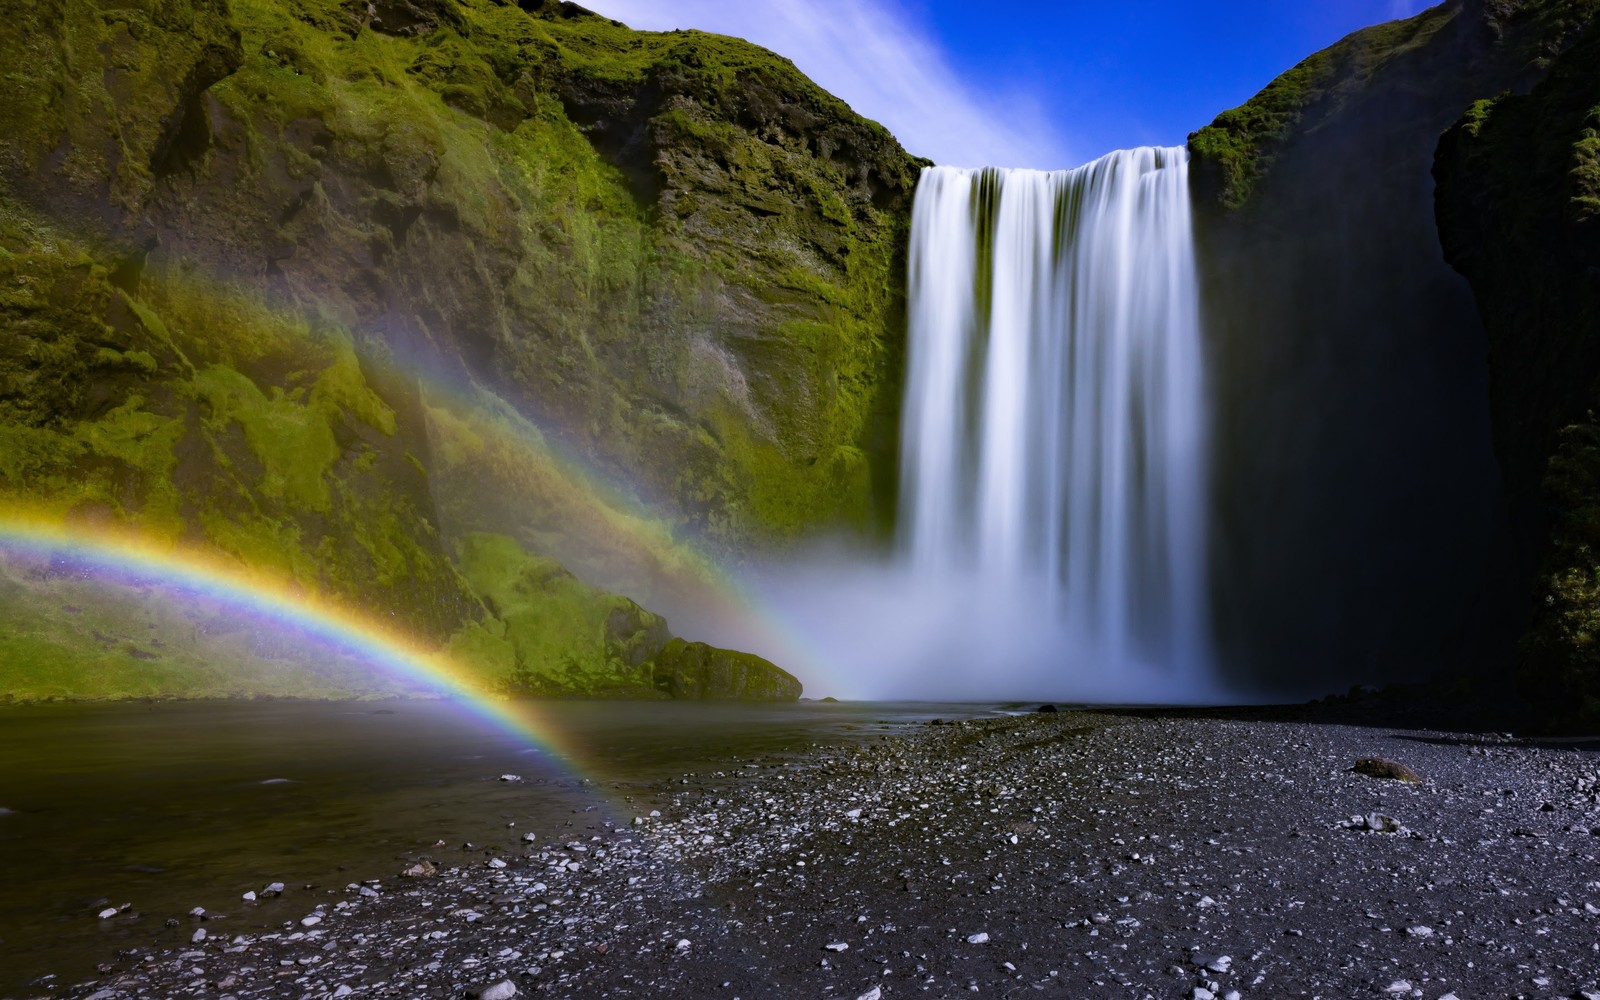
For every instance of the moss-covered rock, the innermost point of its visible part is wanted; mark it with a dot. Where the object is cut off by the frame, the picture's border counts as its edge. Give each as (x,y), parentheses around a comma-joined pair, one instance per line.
(672,249)
(1518,180)
(261,258)
(694,670)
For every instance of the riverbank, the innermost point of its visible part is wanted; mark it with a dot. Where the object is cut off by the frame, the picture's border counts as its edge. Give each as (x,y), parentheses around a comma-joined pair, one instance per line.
(1076,854)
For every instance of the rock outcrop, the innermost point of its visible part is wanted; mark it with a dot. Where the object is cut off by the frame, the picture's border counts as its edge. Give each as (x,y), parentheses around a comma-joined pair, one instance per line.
(1363,534)
(285,239)
(694,670)
(1518,202)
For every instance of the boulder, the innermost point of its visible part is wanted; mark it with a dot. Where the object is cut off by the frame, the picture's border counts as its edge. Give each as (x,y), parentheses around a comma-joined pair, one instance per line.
(696,671)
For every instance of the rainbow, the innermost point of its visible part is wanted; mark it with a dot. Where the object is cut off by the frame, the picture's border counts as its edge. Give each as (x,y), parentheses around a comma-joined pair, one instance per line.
(128,557)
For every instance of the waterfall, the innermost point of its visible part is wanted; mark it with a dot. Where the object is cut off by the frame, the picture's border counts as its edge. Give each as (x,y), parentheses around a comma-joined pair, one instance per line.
(1052,444)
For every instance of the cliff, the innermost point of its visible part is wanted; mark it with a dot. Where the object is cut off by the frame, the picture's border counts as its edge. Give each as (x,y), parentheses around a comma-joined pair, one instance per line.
(279,274)
(1363,531)
(1518,202)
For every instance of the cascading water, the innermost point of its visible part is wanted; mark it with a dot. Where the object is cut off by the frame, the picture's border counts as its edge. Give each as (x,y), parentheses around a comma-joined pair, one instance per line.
(1054,416)
(1052,502)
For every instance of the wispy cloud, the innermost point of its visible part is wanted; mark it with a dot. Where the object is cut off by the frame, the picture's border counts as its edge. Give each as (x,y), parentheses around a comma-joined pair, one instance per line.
(885,65)
(1400,9)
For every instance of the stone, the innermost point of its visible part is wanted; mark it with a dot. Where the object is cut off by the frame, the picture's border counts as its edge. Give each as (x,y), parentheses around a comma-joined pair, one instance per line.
(273,889)
(511,778)
(837,946)
(422,869)
(505,989)
(1047,708)
(1419,931)
(311,920)
(1201,993)
(496,863)
(108,913)
(1383,767)
(876,993)
(696,671)
(198,936)
(982,937)
(249,897)
(682,945)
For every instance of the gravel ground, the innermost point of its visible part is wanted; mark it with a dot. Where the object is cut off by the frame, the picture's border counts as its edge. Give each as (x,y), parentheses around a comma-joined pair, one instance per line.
(1070,854)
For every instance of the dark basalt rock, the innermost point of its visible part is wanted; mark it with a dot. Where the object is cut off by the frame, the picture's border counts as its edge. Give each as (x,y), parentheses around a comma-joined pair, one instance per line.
(696,671)
(1518,205)
(1360,513)
(407,18)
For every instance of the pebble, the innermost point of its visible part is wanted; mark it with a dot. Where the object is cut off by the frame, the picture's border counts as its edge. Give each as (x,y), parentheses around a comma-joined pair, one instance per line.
(1215,963)
(273,889)
(198,936)
(953,794)
(249,897)
(512,778)
(876,993)
(505,989)
(109,912)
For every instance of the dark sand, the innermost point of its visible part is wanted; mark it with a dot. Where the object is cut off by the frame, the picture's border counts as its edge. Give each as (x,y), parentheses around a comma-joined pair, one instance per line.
(1068,854)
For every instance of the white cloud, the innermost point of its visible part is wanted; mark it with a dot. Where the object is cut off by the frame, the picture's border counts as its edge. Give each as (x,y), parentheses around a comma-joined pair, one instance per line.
(877,59)
(1401,9)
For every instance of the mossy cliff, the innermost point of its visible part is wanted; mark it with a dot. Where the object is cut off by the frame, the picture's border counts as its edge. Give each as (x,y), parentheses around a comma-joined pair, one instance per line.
(671,248)
(1518,202)
(1362,527)
(237,233)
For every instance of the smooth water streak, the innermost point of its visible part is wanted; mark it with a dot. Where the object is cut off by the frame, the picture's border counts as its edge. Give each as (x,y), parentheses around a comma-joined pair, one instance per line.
(1054,423)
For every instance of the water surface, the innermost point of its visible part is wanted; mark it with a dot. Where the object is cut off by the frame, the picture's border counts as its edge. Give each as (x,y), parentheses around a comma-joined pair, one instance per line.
(170,806)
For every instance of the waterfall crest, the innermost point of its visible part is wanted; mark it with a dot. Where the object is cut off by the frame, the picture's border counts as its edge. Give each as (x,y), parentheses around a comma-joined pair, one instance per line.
(1054,423)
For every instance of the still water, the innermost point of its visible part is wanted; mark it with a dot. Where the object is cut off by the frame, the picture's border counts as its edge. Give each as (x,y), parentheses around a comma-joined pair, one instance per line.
(171,806)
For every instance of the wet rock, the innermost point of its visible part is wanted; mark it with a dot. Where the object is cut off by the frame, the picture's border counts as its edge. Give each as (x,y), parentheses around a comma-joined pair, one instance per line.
(503,990)
(422,869)
(273,889)
(1047,708)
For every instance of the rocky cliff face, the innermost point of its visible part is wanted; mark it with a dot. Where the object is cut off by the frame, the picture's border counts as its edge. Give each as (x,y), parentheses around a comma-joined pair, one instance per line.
(259,251)
(1363,531)
(1518,202)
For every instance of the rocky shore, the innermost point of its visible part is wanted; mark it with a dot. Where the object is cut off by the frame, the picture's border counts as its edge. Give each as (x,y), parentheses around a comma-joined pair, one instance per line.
(1072,854)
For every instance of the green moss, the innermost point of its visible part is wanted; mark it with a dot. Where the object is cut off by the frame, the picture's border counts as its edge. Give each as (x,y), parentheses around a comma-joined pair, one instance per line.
(556,634)
(1242,144)
(708,309)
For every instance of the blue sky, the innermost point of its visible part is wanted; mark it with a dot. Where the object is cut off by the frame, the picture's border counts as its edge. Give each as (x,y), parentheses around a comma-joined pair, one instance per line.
(1012,83)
